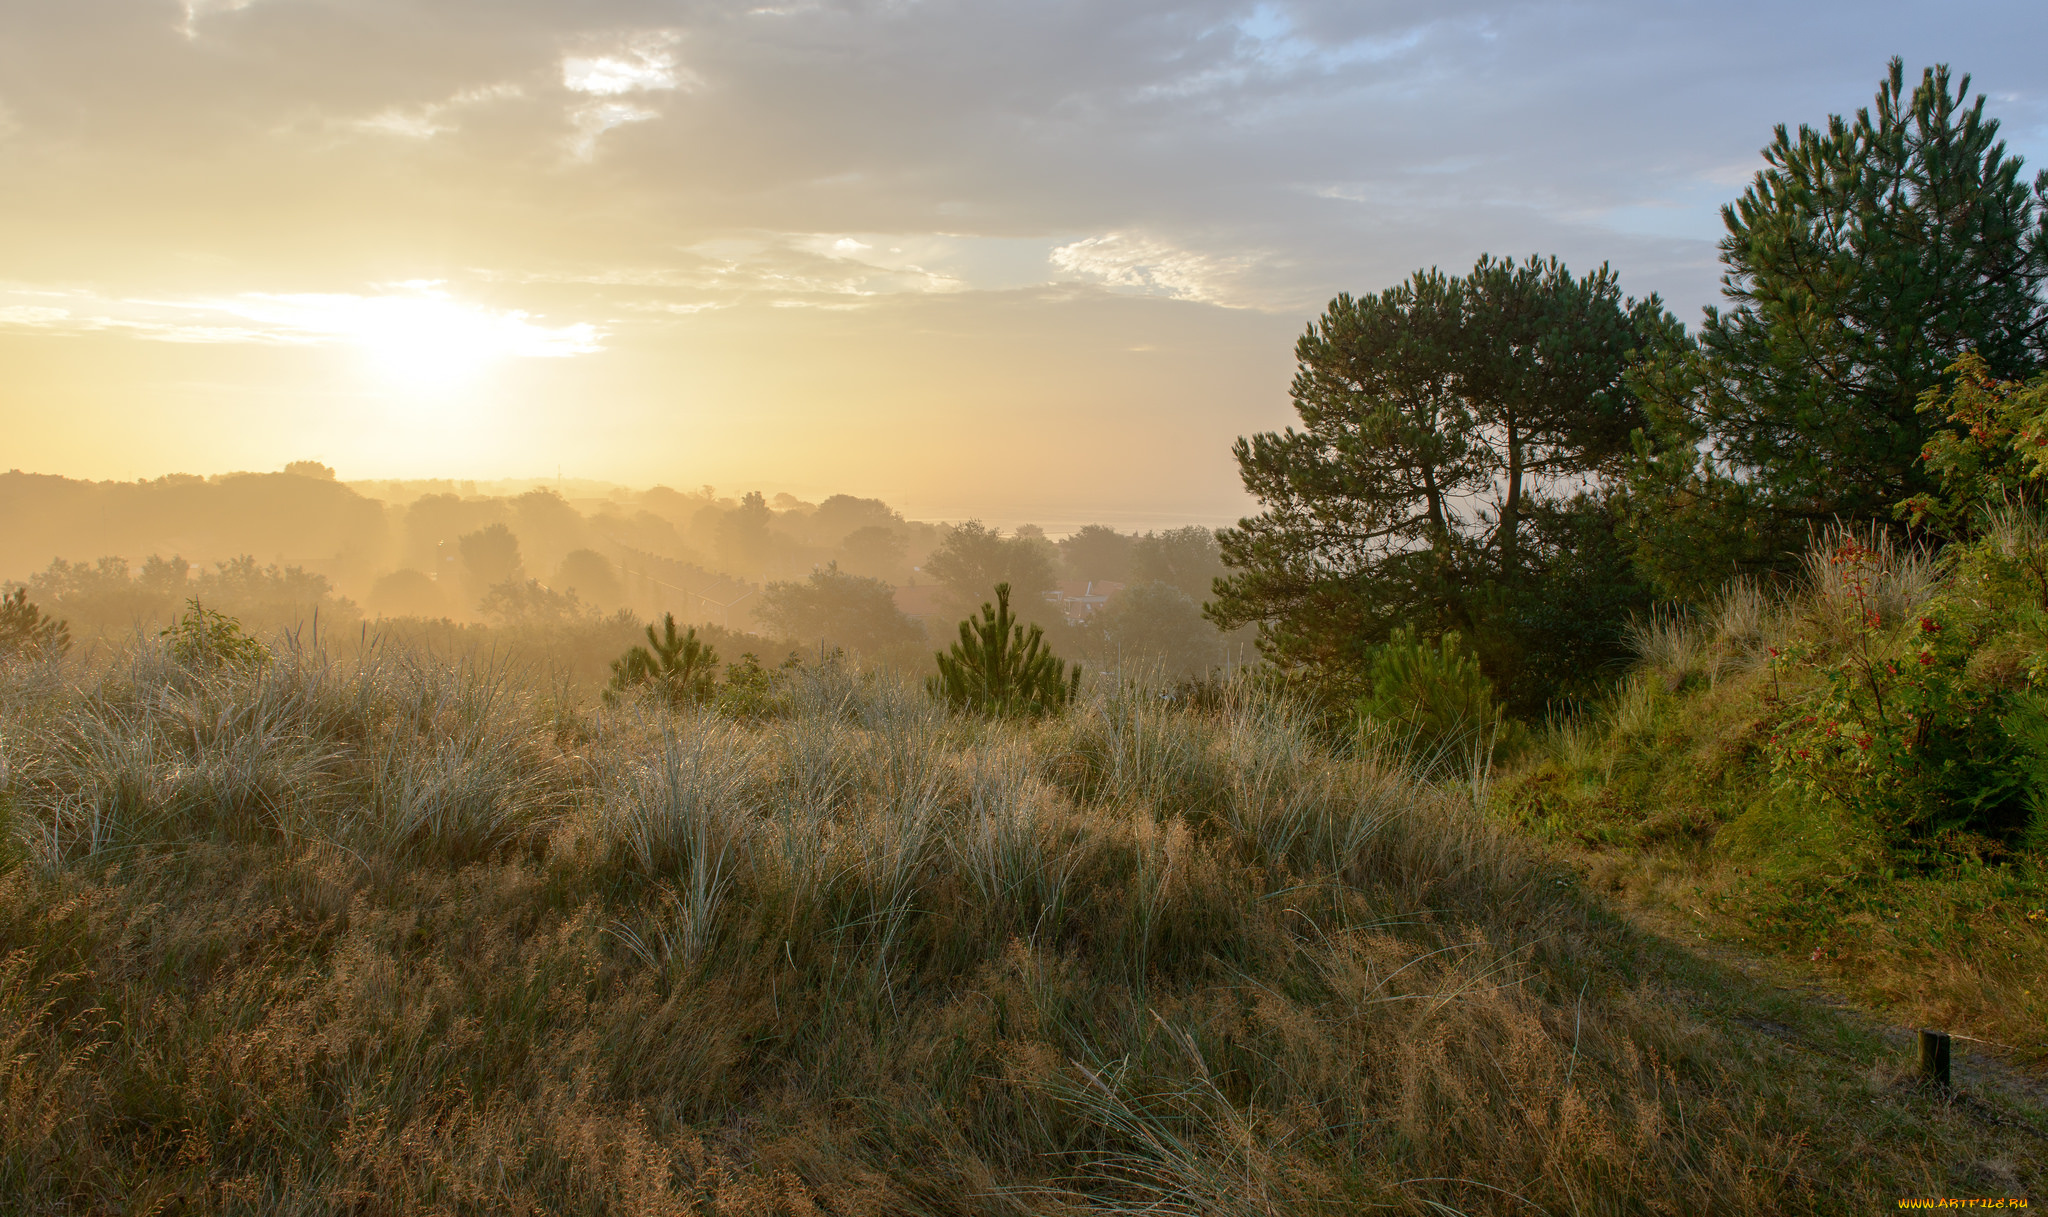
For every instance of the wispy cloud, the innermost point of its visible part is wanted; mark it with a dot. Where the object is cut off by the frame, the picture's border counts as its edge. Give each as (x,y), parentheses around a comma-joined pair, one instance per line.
(644,63)
(435,118)
(1143,264)
(195,9)
(407,314)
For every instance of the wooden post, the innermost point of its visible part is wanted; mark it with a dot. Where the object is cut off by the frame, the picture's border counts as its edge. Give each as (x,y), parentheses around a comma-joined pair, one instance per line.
(1934,1057)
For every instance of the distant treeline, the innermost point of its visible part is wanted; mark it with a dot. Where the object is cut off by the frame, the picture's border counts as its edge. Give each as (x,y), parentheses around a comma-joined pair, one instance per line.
(278,550)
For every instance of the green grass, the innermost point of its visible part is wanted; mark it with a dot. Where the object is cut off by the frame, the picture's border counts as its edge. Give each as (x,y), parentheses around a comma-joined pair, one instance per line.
(390,935)
(1664,797)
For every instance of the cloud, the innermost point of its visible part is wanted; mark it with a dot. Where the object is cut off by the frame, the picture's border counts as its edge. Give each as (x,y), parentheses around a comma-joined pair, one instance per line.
(593,120)
(400,315)
(195,9)
(435,118)
(1264,153)
(33,316)
(1141,264)
(644,63)
(647,62)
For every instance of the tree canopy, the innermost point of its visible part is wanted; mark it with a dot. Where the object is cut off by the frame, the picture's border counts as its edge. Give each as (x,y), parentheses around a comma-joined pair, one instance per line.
(1442,421)
(1865,258)
(843,610)
(974,558)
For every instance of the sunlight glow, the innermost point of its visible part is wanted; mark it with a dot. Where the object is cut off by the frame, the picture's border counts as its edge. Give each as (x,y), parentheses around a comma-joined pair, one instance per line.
(420,337)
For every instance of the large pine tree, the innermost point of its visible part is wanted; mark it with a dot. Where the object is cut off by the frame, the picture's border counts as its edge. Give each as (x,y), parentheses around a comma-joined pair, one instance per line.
(1446,423)
(1864,258)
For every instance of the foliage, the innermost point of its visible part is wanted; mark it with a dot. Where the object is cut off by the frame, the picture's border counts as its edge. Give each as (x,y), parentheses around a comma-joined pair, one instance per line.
(1188,558)
(1432,699)
(744,539)
(1861,263)
(529,602)
(1994,452)
(752,691)
(407,593)
(1852,768)
(1440,418)
(107,597)
(591,577)
(29,633)
(490,557)
(1558,633)
(1158,623)
(974,557)
(204,638)
(998,669)
(1896,732)
(1098,553)
(681,668)
(843,610)
(876,550)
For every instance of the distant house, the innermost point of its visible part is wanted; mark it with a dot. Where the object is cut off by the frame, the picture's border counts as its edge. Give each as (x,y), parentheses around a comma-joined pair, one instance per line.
(1078,601)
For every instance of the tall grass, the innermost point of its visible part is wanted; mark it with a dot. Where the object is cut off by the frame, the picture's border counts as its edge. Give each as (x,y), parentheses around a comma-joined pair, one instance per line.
(1669,791)
(444,944)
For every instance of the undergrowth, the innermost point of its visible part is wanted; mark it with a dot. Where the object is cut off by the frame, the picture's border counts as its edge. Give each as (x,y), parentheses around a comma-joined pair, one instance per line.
(1841,772)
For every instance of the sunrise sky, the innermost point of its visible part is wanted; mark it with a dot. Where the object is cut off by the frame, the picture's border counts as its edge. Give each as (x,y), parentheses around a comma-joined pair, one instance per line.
(1009,258)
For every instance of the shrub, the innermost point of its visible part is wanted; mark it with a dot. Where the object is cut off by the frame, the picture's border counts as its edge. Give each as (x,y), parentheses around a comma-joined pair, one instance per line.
(998,669)
(1432,693)
(1904,728)
(752,690)
(203,638)
(27,631)
(680,667)
(835,608)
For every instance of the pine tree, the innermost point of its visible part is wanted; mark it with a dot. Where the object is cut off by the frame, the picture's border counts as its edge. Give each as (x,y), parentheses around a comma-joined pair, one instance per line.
(1864,259)
(27,631)
(1432,696)
(1442,421)
(682,667)
(997,668)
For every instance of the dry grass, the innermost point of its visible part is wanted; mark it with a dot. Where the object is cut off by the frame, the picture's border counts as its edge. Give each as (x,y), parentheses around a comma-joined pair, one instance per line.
(387,937)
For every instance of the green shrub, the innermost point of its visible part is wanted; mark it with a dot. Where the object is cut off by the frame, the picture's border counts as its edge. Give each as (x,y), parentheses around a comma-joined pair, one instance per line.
(752,690)
(999,669)
(1905,725)
(27,631)
(1432,696)
(203,638)
(680,667)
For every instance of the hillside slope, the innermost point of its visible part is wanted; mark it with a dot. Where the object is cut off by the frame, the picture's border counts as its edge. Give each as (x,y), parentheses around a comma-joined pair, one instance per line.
(388,936)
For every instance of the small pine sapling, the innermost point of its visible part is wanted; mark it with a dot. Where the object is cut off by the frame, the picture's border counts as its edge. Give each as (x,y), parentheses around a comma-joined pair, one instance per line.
(681,666)
(999,669)
(28,632)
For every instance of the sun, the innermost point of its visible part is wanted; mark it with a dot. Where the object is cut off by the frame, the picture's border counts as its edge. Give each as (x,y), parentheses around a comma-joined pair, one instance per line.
(417,336)
(430,343)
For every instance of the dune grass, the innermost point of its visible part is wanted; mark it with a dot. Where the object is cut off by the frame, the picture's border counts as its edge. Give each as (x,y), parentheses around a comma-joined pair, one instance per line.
(382,935)
(1666,798)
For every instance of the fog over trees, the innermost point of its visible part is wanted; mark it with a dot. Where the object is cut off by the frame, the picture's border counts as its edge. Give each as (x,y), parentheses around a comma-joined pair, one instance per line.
(447,560)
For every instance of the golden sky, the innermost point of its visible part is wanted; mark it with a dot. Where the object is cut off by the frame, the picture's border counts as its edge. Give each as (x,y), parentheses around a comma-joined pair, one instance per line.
(1009,258)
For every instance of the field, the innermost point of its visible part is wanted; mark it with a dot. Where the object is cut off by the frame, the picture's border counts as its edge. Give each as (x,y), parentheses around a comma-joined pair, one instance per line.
(383,933)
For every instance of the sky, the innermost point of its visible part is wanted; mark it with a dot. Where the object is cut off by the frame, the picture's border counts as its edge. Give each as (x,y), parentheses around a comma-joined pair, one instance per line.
(1013,259)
